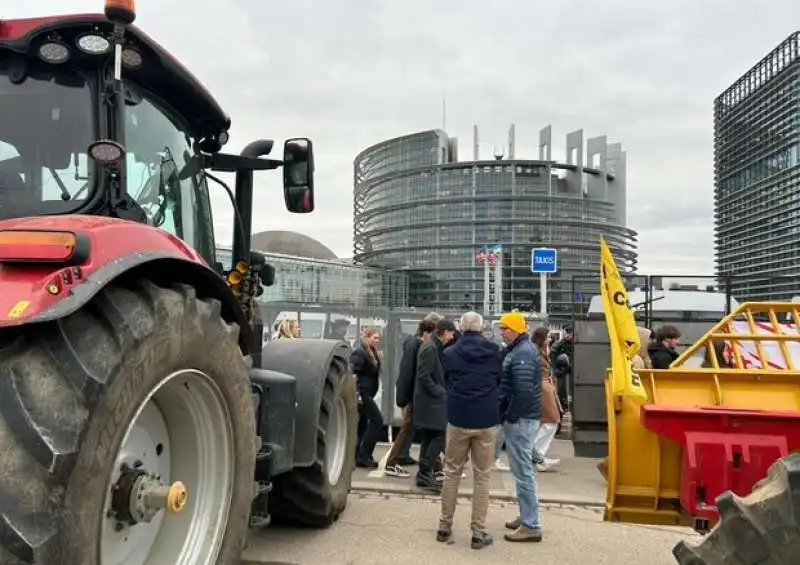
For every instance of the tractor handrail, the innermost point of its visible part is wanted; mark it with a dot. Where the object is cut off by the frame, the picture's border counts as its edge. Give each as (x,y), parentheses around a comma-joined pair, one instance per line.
(726,330)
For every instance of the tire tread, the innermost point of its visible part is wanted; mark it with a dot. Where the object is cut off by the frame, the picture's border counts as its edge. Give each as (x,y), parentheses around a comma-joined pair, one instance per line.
(761,528)
(52,376)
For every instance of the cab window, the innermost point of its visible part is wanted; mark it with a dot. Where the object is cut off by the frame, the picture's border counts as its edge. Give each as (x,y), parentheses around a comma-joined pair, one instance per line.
(157,149)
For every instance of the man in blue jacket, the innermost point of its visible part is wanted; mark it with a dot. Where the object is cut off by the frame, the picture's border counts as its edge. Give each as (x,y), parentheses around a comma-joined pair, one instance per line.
(472,371)
(520,411)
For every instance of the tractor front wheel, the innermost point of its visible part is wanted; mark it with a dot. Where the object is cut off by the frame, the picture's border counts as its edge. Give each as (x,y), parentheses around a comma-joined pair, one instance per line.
(316,496)
(127,433)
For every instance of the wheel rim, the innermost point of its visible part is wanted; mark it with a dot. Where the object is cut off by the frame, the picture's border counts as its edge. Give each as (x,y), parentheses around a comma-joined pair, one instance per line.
(181,432)
(336,444)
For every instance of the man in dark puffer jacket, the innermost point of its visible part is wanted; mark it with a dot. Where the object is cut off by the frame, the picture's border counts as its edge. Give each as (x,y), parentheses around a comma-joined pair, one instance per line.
(521,410)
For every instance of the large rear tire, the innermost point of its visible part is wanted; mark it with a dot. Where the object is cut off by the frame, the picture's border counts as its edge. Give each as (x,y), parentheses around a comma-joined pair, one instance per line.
(762,528)
(316,496)
(81,396)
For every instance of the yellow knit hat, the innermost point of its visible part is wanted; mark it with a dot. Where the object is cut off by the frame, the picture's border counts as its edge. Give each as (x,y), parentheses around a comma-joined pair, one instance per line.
(514,321)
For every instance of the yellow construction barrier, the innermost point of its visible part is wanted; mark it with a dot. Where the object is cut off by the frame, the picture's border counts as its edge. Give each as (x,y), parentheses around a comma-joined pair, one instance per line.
(726,407)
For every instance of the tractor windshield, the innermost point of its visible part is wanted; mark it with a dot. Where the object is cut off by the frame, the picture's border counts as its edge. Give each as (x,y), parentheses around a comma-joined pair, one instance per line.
(46,126)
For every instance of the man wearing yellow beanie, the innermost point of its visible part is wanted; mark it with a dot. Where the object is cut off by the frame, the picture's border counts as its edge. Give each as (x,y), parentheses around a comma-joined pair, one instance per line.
(521,410)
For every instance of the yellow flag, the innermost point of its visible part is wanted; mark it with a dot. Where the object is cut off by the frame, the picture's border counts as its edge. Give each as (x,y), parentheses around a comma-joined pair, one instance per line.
(621,324)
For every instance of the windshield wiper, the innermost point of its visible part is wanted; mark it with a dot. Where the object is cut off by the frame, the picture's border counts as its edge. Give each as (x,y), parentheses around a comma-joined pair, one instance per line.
(65,195)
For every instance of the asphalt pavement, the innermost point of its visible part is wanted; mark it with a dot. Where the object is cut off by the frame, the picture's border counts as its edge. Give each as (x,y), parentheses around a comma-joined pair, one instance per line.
(401,530)
(573,481)
(389,521)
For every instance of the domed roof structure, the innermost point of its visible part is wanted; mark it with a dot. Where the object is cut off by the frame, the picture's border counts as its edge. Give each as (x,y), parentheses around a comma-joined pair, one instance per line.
(291,243)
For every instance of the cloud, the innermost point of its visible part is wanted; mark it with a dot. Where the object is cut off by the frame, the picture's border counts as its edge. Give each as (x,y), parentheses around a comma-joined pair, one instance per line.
(349,74)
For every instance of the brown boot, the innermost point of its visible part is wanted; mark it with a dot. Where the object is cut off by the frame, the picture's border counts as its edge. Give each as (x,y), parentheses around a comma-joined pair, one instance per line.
(514,524)
(603,468)
(524,533)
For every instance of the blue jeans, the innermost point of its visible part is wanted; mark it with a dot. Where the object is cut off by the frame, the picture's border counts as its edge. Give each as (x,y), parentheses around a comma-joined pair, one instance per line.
(519,446)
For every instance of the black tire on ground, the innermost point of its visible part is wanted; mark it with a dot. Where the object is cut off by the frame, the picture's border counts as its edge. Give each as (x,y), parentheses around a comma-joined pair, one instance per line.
(762,528)
(68,391)
(304,496)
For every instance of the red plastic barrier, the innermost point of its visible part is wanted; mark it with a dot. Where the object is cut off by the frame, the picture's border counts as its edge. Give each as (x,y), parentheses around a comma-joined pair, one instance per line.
(723,449)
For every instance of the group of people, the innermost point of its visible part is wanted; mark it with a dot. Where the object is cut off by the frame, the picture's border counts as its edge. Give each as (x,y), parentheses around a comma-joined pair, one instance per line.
(459,391)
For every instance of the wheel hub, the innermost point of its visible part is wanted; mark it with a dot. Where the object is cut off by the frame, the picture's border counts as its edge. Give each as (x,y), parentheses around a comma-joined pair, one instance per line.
(149,519)
(138,496)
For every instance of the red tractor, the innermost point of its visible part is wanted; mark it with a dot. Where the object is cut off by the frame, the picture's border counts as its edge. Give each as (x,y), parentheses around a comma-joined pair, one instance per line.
(141,422)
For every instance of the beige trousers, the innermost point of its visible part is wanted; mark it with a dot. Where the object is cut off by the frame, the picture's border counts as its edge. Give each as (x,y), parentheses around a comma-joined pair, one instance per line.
(477,445)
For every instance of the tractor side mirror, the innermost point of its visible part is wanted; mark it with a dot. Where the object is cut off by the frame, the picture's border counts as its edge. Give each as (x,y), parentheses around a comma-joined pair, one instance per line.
(298,175)
(267,274)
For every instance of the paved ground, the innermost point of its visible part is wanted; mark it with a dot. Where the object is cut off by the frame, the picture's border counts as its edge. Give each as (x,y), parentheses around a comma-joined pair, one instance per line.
(574,480)
(390,522)
(400,530)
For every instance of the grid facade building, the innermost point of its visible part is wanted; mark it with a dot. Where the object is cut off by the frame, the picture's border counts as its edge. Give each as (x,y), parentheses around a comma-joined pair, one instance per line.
(419,210)
(757,177)
(315,281)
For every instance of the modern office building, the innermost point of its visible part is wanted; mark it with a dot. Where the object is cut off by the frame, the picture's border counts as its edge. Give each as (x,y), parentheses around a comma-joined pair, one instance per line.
(307,272)
(418,209)
(757,177)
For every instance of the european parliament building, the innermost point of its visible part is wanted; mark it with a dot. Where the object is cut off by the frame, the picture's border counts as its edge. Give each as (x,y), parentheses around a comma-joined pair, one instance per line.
(757,177)
(420,210)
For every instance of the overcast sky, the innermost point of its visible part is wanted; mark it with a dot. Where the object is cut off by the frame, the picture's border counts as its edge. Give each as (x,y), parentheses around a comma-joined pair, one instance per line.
(351,73)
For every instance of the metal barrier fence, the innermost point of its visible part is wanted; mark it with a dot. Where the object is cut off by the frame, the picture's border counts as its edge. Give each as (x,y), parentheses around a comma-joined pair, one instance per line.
(335,322)
(691,303)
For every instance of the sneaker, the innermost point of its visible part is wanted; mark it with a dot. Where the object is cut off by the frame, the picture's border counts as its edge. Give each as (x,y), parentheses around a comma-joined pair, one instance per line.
(366,463)
(480,540)
(500,466)
(444,532)
(514,524)
(547,464)
(396,471)
(524,533)
(407,461)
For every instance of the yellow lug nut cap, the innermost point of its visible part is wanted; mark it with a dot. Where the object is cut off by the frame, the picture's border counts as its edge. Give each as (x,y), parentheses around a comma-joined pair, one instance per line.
(176,497)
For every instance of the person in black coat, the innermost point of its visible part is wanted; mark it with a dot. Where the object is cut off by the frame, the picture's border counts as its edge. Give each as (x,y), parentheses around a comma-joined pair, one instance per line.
(662,352)
(365,363)
(430,403)
(400,453)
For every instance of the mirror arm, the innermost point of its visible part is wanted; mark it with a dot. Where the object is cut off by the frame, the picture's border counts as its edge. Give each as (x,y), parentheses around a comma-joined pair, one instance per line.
(226,163)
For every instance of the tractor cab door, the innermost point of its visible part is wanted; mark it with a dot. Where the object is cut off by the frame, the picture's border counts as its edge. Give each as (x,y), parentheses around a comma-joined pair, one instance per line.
(157,147)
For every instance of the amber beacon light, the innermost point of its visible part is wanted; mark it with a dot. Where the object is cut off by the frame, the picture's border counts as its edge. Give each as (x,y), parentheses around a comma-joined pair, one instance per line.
(122,12)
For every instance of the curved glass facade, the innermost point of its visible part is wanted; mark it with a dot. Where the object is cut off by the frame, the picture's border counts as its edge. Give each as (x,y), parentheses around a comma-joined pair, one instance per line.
(418,210)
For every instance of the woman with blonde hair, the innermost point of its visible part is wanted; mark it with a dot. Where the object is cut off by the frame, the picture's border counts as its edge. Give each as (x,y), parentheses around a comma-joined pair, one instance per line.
(287,328)
(365,362)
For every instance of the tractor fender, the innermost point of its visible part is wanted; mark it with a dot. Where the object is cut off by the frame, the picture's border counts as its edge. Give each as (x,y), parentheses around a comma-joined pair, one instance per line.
(308,361)
(116,249)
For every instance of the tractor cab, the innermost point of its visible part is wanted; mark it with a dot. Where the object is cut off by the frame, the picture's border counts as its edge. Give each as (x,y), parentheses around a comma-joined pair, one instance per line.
(97,118)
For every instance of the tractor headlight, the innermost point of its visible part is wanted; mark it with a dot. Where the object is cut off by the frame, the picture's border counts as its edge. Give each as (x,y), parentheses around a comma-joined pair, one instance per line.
(55,52)
(93,44)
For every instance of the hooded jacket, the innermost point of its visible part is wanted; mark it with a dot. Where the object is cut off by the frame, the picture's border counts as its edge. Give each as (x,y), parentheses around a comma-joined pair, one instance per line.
(661,355)
(472,369)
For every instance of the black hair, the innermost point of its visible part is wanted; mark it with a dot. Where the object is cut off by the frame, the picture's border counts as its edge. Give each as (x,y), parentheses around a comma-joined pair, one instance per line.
(445,325)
